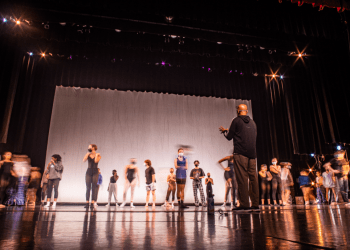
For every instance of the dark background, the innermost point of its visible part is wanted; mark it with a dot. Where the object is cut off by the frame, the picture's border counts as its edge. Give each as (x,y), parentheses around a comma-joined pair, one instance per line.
(305,112)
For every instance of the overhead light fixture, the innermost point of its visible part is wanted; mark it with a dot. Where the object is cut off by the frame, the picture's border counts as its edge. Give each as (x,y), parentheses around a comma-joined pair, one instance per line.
(117,30)
(299,55)
(18,22)
(4,20)
(219,42)
(169,19)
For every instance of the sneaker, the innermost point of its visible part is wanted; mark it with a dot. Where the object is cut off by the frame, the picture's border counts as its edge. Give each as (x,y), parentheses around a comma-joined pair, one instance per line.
(47,205)
(165,205)
(223,205)
(132,205)
(307,203)
(232,206)
(54,205)
(107,205)
(197,205)
(116,205)
(122,205)
(172,205)
(87,205)
(154,206)
(94,205)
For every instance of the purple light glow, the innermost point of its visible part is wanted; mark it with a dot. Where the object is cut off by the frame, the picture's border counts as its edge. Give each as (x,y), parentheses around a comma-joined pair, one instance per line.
(163,63)
(202,67)
(209,69)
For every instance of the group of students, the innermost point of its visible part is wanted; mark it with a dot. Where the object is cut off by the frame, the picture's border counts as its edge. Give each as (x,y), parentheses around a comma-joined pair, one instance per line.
(19,181)
(177,181)
(281,181)
(331,185)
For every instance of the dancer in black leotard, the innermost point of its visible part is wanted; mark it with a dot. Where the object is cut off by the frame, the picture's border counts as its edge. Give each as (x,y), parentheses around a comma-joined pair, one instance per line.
(6,174)
(231,183)
(131,172)
(91,176)
(265,183)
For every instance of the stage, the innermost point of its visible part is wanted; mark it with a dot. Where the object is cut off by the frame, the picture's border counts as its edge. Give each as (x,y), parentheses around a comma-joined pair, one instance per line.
(73,227)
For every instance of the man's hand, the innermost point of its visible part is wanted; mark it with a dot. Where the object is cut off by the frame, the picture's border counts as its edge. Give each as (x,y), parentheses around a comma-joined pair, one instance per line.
(222,129)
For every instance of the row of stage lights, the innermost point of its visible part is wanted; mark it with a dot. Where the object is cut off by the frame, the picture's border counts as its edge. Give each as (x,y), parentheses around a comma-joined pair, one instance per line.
(272,76)
(43,54)
(240,46)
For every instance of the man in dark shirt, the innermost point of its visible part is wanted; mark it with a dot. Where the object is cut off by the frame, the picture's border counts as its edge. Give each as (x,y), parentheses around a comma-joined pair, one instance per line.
(197,174)
(243,132)
(150,175)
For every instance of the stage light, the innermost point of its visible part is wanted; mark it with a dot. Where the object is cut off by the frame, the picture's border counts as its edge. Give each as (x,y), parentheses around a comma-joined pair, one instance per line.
(43,54)
(219,42)
(299,55)
(163,63)
(273,76)
(281,77)
(209,70)
(18,22)
(173,36)
(117,30)
(255,74)
(230,72)
(4,20)
(312,155)
(338,147)
(30,53)
(310,170)
(313,183)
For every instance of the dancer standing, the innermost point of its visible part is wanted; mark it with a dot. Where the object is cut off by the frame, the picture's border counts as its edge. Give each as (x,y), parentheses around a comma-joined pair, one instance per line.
(243,132)
(275,170)
(112,188)
(171,179)
(43,185)
(231,182)
(320,189)
(150,175)
(181,166)
(55,170)
(91,176)
(265,177)
(287,182)
(6,174)
(197,174)
(130,181)
(34,184)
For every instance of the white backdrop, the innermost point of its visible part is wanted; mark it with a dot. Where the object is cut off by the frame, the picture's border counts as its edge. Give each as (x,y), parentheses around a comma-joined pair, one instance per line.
(141,125)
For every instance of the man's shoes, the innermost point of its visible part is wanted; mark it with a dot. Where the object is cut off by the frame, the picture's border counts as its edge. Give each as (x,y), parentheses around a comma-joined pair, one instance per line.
(183,205)
(241,208)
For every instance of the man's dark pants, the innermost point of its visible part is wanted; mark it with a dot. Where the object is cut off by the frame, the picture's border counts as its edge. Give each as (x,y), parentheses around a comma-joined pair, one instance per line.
(245,169)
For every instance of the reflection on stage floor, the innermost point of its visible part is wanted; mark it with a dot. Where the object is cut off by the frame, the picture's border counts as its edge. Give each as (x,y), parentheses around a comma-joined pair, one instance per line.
(73,227)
